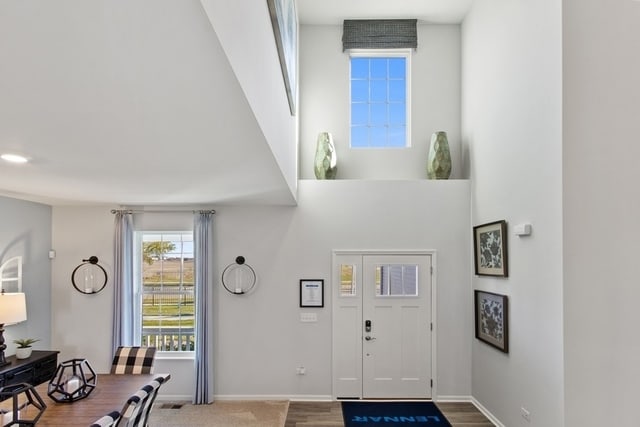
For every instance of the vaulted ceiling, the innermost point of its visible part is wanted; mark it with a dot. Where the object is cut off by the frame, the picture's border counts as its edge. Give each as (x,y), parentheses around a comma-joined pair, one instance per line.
(138,102)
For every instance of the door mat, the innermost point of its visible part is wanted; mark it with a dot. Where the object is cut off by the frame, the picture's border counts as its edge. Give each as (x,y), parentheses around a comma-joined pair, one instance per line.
(392,414)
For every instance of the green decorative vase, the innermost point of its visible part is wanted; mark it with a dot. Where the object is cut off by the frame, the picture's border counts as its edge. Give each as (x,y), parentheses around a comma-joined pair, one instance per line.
(439,160)
(325,165)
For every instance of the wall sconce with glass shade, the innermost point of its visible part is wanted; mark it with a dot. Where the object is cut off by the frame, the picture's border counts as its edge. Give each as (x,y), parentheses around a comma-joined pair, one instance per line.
(13,309)
(89,277)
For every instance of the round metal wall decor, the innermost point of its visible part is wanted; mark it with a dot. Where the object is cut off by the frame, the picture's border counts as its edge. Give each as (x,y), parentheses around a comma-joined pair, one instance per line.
(89,277)
(238,278)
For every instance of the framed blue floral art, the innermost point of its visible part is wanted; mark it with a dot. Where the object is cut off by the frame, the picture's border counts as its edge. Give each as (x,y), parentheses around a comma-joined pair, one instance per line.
(490,249)
(492,319)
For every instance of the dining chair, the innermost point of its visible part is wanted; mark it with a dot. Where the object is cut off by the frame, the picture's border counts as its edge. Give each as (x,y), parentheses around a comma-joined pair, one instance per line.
(133,407)
(137,408)
(152,388)
(108,420)
(133,360)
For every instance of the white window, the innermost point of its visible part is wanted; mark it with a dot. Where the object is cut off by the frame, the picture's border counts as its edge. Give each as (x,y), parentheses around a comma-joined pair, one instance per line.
(165,290)
(396,280)
(380,101)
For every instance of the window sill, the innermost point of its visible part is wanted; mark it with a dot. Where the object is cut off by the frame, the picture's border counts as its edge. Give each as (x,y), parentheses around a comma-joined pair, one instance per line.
(175,355)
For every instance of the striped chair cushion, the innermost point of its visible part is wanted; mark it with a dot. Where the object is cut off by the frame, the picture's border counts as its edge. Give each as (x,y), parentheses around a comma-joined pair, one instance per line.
(152,390)
(133,360)
(108,420)
(132,408)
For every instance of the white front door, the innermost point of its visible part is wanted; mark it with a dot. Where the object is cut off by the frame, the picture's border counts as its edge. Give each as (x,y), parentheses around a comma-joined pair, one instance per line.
(382,326)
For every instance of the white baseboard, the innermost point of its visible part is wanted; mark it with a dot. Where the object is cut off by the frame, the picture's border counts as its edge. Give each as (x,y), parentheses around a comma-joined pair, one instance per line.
(174,398)
(311,398)
(486,413)
(293,398)
(453,399)
(474,401)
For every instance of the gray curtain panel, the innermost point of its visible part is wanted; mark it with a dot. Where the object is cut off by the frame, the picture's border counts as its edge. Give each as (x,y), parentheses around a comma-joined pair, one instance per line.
(123,311)
(379,34)
(204,281)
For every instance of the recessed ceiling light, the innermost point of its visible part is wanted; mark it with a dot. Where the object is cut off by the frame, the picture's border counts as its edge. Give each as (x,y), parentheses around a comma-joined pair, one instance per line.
(14,158)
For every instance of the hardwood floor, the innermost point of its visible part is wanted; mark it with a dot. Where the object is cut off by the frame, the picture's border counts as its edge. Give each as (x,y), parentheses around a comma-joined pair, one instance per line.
(464,414)
(327,414)
(316,414)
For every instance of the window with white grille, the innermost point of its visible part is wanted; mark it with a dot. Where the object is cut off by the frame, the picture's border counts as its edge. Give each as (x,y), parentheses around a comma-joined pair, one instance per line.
(165,282)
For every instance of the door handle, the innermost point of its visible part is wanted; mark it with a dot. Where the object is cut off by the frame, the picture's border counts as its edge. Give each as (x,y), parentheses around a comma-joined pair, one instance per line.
(368,338)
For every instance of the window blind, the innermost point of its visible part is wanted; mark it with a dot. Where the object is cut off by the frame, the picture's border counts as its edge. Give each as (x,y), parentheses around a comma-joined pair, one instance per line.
(379,34)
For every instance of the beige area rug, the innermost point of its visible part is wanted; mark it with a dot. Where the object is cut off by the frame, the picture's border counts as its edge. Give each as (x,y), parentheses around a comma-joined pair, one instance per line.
(245,413)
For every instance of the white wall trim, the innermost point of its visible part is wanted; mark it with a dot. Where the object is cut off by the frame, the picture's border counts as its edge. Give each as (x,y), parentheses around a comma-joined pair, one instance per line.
(293,398)
(475,403)
(174,398)
(434,322)
(235,397)
(453,399)
(486,413)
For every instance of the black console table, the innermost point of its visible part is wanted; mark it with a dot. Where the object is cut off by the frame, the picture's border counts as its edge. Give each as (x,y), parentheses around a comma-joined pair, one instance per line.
(36,369)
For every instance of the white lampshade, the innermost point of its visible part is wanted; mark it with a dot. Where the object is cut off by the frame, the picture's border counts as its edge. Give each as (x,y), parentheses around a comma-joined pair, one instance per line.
(13,308)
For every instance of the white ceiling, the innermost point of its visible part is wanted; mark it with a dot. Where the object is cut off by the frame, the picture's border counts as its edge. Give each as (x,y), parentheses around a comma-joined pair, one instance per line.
(333,12)
(132,105)
(138,105)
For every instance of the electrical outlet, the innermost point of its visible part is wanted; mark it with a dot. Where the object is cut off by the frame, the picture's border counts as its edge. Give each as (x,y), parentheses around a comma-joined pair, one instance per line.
(300,370)
(525,414)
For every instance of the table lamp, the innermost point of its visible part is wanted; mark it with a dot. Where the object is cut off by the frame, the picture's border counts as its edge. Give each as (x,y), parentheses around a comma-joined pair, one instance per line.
(13,309)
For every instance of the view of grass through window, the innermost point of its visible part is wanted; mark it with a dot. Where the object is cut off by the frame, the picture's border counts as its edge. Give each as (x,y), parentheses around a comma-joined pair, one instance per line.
(168,291)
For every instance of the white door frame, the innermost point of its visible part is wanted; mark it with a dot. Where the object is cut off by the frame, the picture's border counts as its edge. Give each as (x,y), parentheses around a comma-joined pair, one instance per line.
(334,296)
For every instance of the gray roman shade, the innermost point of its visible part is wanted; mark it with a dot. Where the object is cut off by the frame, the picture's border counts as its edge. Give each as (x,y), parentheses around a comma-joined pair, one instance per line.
(379,34)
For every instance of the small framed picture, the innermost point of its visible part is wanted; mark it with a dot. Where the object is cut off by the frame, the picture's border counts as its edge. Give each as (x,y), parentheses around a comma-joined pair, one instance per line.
(311,293)
(490,249)
(492,319)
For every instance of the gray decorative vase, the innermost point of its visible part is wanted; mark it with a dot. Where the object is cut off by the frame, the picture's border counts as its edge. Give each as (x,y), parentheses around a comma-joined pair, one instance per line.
(325,165)
(439,160)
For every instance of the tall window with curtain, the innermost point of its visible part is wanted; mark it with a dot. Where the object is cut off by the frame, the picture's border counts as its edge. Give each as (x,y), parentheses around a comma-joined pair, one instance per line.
(164,292)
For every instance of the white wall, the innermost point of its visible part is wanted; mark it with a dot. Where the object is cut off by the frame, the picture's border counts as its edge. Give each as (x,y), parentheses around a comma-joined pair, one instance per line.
(601,66)
(511,62)
(246,35)
(82,323)
(324,101)
(25,230)
(259,338)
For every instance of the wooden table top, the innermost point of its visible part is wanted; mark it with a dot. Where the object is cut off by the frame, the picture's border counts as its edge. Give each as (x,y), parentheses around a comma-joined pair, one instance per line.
(110,394)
